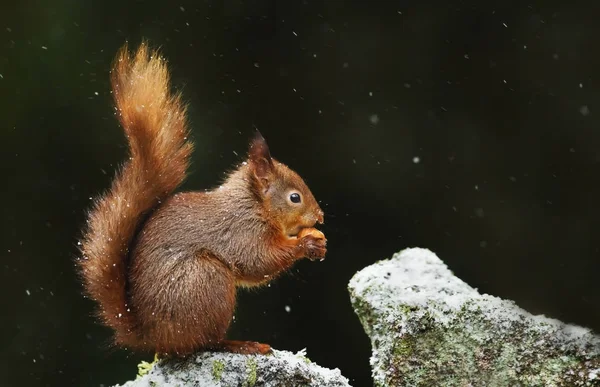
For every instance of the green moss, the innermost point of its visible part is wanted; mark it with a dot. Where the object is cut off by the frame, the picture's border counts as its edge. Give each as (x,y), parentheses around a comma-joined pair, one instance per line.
(144,367)
(217,369)
(403,348)
(364,312)
(252,374)
(306,360)
(406,310)
(433,354)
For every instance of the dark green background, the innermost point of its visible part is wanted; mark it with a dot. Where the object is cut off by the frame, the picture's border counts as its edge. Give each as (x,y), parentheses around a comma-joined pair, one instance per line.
(497,99)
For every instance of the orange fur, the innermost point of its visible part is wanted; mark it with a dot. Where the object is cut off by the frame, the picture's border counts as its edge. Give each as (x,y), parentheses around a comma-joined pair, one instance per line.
(170,287)
(154,123)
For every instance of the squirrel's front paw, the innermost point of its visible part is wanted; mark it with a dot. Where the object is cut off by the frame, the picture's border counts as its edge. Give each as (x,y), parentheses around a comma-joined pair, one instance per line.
(313,243)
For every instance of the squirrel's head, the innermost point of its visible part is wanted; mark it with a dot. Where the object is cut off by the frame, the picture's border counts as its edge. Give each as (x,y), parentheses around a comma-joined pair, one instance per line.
(282,191)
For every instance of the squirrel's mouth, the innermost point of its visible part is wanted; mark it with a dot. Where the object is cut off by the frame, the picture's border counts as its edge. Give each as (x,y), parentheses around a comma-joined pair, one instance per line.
(296,231)
(303,222)
(293,234)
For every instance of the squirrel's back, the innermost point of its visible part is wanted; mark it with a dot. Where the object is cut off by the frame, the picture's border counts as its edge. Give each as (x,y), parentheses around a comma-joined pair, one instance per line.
(154,122)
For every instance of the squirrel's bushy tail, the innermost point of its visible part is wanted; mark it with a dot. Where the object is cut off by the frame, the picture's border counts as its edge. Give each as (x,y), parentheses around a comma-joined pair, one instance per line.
(154,121)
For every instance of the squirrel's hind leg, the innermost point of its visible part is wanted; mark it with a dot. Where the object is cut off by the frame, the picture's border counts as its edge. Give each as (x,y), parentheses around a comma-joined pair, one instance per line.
(188,307)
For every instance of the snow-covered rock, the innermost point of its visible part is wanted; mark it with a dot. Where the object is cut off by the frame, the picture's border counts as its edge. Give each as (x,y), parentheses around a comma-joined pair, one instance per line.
(429,328)
(216,369)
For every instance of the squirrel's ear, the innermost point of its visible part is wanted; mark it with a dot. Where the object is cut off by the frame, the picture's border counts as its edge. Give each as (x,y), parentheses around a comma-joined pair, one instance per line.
(260,160)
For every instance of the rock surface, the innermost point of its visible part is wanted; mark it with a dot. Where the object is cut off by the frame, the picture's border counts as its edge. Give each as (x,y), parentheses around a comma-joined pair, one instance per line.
(213,369)
(429,328)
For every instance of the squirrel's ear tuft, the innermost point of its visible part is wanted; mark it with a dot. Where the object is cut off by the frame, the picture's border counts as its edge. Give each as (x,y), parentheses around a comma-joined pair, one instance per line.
(260,159)
(259,148)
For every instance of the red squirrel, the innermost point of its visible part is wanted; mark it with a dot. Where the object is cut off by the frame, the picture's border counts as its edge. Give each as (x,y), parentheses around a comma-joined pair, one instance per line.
(164,267)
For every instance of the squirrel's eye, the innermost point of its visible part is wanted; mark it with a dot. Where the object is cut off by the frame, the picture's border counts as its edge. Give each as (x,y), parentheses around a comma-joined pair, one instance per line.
(295,197)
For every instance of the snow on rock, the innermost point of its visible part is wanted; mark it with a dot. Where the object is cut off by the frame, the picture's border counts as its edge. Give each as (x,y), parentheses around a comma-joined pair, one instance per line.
(216,369)
(429,328)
